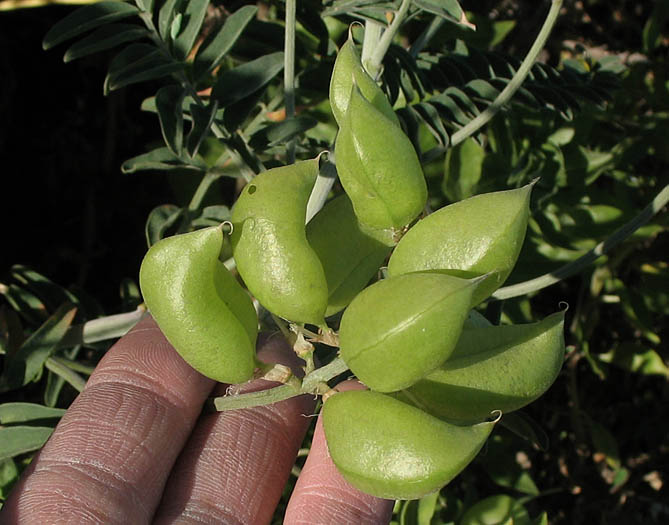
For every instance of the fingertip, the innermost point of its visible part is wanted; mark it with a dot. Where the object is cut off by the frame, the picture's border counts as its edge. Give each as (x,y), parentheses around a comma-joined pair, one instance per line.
(323,496)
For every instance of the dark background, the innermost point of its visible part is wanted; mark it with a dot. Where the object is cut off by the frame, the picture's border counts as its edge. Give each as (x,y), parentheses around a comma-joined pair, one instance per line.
(66,209)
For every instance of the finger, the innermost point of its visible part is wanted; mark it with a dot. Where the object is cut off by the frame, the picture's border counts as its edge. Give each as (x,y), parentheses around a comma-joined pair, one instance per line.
(236,464)
(323,496)
(109,457)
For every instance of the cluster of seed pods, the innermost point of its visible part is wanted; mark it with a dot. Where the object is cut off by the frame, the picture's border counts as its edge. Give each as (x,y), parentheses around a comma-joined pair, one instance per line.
(438,380)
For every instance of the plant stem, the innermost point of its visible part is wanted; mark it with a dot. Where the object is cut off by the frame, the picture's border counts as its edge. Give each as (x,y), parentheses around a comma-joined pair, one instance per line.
(254,399)
(289,71)
(374,63)
(319,194)
(202,189)
(373,31)
(426,36)
(324,374)
(484,117)
(590,256)
(312,384)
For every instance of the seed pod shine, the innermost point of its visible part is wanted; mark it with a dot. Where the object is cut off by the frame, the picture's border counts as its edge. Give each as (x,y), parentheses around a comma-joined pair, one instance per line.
(398,330)
(392,450)
(475,236)
(350,253)
(378,167)
(199,305)
(270,246)
(348,69)
(493,368)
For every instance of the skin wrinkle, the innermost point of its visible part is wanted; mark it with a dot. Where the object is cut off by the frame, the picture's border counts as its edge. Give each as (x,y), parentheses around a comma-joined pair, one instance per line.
(139,416)
(239,463)
(200,515)
(330,508)
(231,470)
(121,371)
(116,429)
(323,496)
(124,498)
(339,503)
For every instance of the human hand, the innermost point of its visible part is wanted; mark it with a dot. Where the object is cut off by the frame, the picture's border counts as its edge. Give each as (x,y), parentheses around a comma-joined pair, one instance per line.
(133,448)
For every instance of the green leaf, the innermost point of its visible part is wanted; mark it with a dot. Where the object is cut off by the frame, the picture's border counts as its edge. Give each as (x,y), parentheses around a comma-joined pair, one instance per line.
(652,31)
(450,107)
(604,442)
(86,18)
(501,465)
(19,440)
(51,294)
(203,118)
(170,115)
(634,357)
(280,132)
(160,219)
(525,427)
(237,113)
(463,100)
(175,26)
(11,330)
(432,120)
(419,511)
(30,307)
(105,38)
(12,413)
(496,510)
(427,507)
(161,159)
(238,83)
(54,385)
(27,364)
(138,63)
(482,89)
(193,17)
(145,5)
(215,214)
(449,9)
(9,473)
(165,17)
(219,43)
(130,294)
(463,167)
(541,519)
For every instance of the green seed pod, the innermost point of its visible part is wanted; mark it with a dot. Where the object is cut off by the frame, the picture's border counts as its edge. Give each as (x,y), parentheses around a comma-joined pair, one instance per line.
(350,253)
(476,236)
(378,167)
(347,70)
(392,450)
(199,305)
(493,368)
(270,245)
(400,329)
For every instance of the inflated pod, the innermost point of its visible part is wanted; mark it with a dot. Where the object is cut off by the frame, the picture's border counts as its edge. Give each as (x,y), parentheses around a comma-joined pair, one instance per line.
(270,247)
(493,368)
(378,167)
(392,450)
(199,305)
(350,253)
(347,71)
(398,330)
(479,235)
